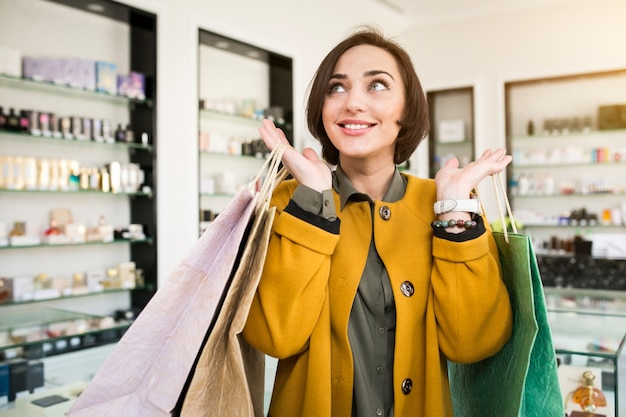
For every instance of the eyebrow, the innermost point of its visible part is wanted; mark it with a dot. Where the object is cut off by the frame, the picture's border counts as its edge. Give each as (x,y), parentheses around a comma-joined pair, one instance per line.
(370,73)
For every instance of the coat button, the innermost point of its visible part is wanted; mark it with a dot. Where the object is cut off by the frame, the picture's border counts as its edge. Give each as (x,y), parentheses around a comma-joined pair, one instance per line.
(407,288)
(385,212)
(407,386)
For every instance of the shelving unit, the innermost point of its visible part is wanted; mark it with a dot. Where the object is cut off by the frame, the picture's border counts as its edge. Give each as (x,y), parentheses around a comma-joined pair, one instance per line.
(47,325)
(566,179)
(231,151)
(451,113)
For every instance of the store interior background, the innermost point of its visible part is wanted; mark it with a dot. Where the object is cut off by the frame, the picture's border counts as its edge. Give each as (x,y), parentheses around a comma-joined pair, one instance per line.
(480,43)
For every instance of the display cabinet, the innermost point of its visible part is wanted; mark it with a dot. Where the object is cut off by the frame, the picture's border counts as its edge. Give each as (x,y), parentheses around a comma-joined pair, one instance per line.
(567,135)
(451,115)
(239,85)
(77,190)
(591,342)
(580,300)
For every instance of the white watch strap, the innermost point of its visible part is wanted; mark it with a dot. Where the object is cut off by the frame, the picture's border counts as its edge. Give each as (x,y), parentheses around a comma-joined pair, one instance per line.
(470,205)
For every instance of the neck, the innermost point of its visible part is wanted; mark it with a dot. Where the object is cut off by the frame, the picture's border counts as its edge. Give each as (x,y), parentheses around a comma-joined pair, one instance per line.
(371,180)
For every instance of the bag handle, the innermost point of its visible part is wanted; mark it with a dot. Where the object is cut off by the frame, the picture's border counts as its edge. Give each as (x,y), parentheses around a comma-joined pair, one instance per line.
(273,176)
(500,191)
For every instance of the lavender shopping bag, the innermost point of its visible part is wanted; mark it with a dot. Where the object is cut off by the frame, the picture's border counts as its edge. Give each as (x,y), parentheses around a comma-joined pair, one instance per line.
(147,371)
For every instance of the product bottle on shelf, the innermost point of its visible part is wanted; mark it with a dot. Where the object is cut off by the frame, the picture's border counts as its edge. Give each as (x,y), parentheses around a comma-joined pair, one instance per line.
(3,119)
(588,396)
(13,121)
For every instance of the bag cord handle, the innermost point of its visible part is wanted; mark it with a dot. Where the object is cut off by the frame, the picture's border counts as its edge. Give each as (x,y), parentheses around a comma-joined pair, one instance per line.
(273,175)
(498,186)
(500,191)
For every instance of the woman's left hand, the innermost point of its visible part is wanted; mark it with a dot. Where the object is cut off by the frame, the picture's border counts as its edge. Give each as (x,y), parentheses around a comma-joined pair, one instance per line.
(457,183)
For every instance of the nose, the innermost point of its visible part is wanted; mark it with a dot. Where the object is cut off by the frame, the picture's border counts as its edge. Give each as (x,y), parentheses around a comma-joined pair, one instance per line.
(355,101)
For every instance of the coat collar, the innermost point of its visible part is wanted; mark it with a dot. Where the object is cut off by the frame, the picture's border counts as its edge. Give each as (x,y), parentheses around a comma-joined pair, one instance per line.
(346,190)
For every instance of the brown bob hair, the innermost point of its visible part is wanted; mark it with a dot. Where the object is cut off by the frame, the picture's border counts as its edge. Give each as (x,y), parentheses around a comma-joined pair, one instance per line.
(414,125)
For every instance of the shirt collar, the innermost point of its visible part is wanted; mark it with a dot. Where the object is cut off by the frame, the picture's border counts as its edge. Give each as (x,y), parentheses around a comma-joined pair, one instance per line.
(346,190)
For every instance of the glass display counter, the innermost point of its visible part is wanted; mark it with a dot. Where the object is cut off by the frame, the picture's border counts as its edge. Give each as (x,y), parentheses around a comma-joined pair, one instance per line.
(586,300)
(591,342)
(35,333)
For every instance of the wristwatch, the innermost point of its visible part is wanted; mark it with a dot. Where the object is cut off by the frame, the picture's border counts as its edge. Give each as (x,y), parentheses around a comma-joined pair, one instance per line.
(470,205)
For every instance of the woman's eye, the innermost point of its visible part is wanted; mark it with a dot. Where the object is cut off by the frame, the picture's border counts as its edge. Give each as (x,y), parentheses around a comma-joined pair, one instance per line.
(379,85)
(336,88)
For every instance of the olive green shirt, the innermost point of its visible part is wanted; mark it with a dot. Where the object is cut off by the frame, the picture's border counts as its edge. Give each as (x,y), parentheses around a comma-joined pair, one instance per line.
(372,324)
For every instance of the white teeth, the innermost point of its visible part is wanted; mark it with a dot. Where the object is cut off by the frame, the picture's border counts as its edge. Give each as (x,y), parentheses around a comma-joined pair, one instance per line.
(353,126)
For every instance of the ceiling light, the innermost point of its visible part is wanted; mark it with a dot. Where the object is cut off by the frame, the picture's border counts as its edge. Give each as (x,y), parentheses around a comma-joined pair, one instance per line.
(222,44)
(253,54)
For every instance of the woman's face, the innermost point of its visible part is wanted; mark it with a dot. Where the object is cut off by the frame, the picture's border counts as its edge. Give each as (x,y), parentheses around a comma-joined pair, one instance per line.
(365,100)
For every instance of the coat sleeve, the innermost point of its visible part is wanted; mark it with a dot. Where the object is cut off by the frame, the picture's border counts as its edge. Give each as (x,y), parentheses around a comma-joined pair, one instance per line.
(471,302)
(294,283)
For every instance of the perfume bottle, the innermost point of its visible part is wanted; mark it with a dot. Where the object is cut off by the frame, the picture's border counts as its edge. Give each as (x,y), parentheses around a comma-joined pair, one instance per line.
(53,230)
(120,134)
(13,121)
(588,396)
(129,134)
(3,119)
(25,117)
(19,229)
(105,180)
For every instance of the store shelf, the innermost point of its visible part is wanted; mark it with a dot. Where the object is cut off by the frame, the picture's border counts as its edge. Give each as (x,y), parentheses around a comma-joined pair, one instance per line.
(230,112)
(574,226)
(566,180)
(98,243)
(608,164)
(127,39)
(446,106)
(75,296)
(58,89)
(230,155)
(96,192)
(567,195)
(570,136)
(21,137)
(581,300)
(43,332)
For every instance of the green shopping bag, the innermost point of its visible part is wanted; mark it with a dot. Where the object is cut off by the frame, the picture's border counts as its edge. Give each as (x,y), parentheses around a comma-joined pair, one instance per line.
(521,379)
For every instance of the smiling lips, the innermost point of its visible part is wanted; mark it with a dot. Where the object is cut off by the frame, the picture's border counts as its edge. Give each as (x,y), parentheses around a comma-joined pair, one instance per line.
(353,126)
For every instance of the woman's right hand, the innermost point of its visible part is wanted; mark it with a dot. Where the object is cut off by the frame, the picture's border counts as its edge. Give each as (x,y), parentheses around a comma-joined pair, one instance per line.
(307,168)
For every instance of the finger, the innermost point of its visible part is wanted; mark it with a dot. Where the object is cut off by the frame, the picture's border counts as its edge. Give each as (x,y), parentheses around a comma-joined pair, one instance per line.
(451,163)
(311,155)
(271,135)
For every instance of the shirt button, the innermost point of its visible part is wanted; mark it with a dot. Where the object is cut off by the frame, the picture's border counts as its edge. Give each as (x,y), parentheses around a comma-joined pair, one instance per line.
(385,212)
(379,369)
(407,386)
(379,411)
(407,288)
(381,330)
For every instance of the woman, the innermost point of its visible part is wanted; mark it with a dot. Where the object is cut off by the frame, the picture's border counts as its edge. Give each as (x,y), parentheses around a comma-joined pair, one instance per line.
(366,292)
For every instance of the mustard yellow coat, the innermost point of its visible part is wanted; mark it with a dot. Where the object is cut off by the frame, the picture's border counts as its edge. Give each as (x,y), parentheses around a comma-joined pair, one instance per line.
(459,309)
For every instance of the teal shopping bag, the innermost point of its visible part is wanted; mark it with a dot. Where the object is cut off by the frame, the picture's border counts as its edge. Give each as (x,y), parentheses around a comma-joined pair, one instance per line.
(521,380)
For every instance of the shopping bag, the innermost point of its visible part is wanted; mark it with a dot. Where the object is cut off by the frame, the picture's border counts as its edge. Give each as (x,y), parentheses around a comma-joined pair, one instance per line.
(228,378)
(521,379)
(149,367)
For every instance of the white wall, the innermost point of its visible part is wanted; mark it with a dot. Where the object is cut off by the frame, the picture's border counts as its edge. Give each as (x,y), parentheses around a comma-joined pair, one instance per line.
(568,38)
